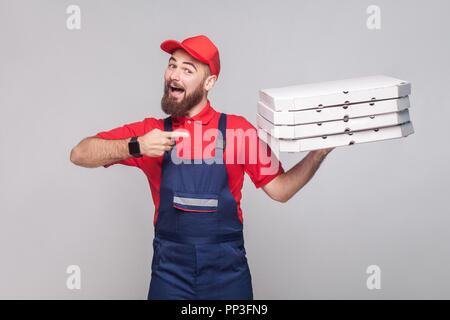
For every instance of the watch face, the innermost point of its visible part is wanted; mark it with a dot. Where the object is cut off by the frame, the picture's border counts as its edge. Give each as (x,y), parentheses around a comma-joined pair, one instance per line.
(134,148)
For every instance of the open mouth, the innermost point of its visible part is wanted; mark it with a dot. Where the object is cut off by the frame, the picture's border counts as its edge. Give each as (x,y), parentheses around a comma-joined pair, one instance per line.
(175,91)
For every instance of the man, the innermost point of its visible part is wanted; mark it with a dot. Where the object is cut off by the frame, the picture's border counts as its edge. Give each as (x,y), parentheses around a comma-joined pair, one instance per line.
(196,186)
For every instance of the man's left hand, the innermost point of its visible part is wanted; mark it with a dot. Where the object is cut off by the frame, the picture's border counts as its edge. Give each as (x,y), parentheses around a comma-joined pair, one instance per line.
(321,153)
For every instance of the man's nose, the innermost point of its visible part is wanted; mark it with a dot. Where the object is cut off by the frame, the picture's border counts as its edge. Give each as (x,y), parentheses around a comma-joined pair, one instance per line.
(174,75)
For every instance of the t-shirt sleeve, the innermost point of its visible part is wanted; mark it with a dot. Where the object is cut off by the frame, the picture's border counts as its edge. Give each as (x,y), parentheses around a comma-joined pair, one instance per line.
(123,132)
(267,168)
(261,164)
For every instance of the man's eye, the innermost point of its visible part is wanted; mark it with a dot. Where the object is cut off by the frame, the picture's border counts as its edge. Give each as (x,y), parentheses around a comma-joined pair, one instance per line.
(188,71)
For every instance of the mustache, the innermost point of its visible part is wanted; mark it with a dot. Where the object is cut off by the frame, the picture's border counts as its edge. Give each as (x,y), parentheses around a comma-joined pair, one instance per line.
(172,84)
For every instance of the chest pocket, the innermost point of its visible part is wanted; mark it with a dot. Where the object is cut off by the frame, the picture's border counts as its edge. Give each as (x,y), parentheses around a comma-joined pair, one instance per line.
(193,202)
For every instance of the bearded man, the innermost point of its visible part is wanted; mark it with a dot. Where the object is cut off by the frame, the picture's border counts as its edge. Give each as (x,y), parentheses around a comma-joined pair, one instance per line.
(198,245)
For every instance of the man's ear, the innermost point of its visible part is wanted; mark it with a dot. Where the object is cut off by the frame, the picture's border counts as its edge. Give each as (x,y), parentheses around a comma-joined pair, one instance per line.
(210,81)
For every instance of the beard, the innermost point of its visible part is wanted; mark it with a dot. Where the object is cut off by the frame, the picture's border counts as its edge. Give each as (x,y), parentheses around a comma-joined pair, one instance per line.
(171,106)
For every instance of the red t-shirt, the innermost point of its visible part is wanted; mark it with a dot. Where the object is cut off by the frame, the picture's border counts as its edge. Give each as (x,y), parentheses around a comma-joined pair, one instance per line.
(251,155)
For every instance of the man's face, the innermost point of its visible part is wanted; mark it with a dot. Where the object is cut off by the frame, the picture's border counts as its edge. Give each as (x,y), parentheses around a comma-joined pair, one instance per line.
(183,84)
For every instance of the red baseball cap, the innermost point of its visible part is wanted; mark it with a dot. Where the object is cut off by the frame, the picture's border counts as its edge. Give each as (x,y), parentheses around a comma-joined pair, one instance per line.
(199,47)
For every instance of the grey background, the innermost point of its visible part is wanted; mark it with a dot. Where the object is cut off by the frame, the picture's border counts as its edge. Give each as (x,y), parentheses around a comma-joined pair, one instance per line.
(380,203)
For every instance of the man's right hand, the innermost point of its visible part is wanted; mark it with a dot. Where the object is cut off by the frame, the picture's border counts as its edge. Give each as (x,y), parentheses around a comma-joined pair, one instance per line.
(155,142)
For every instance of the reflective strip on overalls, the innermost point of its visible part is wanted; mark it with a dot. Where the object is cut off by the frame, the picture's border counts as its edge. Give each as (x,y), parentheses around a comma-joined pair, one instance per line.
(198,249)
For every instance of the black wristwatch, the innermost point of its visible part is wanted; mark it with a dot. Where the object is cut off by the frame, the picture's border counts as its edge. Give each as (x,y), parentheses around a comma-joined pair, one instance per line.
(133,148)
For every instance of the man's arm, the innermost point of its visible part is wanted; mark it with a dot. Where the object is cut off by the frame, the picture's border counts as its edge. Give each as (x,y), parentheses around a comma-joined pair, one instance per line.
(94,152)
(286,184)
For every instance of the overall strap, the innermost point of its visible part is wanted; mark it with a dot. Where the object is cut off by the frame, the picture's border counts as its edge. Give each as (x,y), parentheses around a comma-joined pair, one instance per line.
(168,124)
(168,128)
(221,138)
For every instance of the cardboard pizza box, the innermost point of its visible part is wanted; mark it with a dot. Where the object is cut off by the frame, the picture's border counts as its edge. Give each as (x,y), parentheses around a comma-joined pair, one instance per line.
(333,127)
(332,93)
(337,140)
(332,113)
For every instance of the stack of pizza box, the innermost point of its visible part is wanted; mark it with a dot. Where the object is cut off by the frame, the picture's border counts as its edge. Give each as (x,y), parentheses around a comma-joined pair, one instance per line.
(334,113)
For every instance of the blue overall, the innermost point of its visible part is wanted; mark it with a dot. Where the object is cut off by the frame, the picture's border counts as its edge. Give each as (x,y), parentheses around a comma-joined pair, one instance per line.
(198,249)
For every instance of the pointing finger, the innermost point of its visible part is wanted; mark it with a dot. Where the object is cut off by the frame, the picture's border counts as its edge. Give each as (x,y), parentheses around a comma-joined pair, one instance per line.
(178,134)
